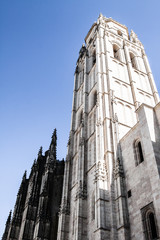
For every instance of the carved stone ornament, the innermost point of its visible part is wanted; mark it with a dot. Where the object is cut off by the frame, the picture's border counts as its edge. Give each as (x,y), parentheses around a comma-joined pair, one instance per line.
(50,165)
(118,171)
(101,172)
(44,189)
(68,157)
(101,20)
(113,100)
(65,207)
(143,52)
(134,38)
(126,44)
(106,34)
(99,122)
(81,191)
(82,141)
(115,118)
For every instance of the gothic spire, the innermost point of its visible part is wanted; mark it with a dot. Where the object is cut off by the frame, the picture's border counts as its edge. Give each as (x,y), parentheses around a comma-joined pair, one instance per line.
(9,218)
(53,145)
(40,152)
(4,237)
(22,182)
(24,176)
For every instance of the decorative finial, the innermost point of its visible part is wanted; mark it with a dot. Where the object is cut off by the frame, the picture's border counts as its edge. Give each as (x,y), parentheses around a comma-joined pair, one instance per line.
(54,136)
(9,217)
(53,145)
(40,151)
(24,175)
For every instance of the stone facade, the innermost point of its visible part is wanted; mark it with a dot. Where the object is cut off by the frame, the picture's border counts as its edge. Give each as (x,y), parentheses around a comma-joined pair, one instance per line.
(37,206)
(142,177)
(111,181)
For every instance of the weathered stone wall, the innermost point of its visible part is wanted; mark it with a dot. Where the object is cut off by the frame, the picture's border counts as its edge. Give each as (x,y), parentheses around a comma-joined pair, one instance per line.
(142,179)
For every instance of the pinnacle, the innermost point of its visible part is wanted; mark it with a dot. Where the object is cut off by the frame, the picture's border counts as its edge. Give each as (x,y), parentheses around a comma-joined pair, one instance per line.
(9,217)
(24,175)
(40,151)
(54,133)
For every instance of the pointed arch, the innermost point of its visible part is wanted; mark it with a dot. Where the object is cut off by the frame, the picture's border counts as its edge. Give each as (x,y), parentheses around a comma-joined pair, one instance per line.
(119,33)
(133,60)
(116,52)
(138,152)
(117,43)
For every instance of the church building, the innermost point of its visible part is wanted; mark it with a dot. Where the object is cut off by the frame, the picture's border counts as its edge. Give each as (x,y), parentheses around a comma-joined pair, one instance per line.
(35,214)
(111,180)
(111,183)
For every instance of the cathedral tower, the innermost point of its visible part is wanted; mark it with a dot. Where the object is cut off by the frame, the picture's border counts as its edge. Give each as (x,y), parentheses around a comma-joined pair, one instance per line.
(112,81)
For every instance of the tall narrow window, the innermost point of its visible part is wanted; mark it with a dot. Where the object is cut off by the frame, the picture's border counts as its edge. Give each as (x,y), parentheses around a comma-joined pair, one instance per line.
(149,222)
(138,152)
(133,61)
(139,148)
(152,225)
(94,57)
(116,52)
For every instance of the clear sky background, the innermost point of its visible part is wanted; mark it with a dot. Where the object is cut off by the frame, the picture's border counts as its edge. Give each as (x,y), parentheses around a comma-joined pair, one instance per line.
(39,45)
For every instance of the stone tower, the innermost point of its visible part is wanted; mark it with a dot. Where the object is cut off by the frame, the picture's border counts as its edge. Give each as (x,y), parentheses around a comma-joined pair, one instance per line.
(111,183)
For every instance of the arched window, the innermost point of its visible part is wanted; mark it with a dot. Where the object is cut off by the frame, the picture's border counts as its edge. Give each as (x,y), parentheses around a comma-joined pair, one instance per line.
(133,60)
(149,222)
(119,33)
(94,57)
(138,152)
(116,52)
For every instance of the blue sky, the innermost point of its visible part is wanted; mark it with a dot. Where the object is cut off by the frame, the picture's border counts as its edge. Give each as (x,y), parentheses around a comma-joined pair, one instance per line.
(39,45)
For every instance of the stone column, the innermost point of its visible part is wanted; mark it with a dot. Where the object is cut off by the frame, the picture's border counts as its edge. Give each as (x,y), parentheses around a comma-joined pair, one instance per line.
(81,192)
(64,215)
(101,193)
(150,77)
(131,77)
